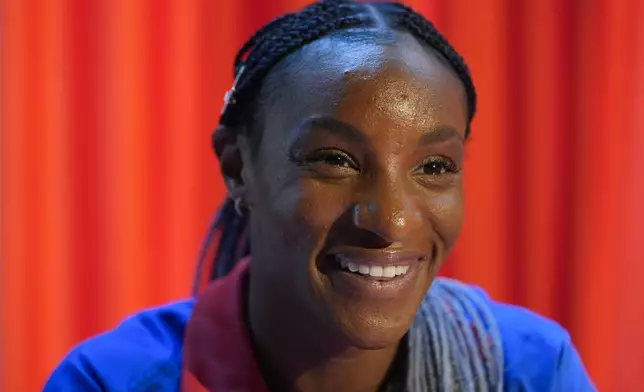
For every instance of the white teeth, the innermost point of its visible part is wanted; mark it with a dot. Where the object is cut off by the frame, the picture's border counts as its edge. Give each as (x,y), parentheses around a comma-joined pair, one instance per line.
(401,269)
(389,271)
(376,271)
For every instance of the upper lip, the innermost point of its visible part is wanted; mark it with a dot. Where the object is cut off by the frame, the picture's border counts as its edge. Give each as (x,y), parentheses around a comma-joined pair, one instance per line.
(382,257)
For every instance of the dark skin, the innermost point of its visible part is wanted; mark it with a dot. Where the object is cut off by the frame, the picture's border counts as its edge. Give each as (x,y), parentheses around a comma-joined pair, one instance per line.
(361,148)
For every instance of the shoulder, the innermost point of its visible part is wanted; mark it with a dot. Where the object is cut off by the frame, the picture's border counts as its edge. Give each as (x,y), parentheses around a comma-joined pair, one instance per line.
(538,352)
(142,353)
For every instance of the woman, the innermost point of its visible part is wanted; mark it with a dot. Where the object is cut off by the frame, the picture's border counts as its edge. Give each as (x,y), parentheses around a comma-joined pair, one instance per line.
(341,144)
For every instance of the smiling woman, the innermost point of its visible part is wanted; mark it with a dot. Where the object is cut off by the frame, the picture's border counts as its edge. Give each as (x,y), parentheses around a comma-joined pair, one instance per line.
(342,145)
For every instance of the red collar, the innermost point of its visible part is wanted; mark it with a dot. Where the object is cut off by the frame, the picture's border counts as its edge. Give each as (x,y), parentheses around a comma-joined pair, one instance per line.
(217,352)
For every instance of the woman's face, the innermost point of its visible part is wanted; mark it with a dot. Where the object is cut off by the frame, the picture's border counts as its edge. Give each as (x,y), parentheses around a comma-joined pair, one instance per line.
(355,189)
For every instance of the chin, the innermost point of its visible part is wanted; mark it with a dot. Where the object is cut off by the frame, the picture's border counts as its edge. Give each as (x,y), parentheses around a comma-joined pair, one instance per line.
(370,330)
(368,313)
(378,340)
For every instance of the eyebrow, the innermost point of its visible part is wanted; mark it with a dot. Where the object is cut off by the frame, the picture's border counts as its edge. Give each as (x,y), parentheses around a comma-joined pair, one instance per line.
(335,127)
(347,131)
(440,134)
(322,124)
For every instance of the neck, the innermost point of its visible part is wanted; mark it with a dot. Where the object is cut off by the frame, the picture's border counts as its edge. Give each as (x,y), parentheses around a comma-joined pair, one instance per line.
(295,352)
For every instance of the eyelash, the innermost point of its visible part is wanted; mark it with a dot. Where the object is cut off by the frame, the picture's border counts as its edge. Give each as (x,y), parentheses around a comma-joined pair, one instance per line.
(327,157)
(448,166)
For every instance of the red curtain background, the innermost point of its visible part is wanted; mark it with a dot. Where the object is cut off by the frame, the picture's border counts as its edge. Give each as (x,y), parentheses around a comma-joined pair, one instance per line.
(108,182)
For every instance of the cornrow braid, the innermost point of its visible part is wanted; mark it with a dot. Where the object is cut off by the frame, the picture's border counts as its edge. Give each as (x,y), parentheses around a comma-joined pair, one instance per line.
(286,35)
(257,39)
(285,21)
(290,32)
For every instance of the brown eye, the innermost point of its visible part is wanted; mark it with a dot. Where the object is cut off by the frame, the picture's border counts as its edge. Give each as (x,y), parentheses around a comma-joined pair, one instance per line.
(439,165)
(332,158)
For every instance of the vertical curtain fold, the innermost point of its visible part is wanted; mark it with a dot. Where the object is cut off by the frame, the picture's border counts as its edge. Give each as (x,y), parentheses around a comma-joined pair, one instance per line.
(108,181)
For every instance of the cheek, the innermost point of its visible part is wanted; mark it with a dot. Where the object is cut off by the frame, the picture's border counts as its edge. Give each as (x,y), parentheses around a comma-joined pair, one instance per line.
(446,211)
(302,214)
(319,207)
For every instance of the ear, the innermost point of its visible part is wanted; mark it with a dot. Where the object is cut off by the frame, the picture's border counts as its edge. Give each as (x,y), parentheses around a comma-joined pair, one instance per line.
(227,143)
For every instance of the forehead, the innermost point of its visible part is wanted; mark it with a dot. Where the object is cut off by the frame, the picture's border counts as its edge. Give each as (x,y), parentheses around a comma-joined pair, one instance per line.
(368,83)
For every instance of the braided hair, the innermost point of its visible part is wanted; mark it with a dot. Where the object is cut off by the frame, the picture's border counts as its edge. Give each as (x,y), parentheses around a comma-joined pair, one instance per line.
(285,35)
(271,47)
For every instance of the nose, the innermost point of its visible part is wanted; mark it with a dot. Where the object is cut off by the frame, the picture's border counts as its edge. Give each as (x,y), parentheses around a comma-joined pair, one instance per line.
(389,212)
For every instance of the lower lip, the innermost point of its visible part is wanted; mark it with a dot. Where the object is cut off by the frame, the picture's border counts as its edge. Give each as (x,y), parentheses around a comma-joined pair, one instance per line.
(369,287)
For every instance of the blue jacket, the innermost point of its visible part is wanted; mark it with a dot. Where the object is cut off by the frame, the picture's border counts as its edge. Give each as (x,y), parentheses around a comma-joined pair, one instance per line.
(144,353)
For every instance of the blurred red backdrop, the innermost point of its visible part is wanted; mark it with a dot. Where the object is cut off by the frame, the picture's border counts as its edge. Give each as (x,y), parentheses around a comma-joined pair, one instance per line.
(108,182)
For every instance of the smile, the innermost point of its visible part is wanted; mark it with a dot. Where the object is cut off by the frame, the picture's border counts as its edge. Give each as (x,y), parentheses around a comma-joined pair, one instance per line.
(375,271)
(374,274)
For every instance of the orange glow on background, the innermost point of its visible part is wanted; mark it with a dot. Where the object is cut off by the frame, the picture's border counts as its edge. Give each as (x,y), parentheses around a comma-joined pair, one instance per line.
(108,180)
